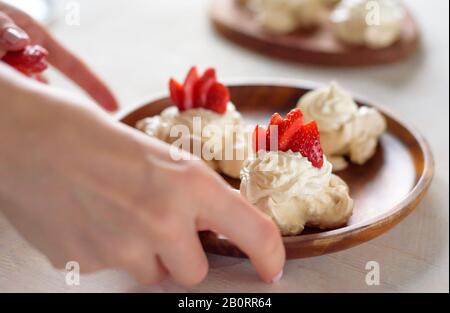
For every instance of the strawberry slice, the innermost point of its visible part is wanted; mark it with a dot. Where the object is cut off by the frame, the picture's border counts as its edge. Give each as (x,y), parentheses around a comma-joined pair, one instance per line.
(307,142)
(276,119)
(289,127)
(217,98)
(189,84)
(177,94)
(292,135)
(286,128)
(272,138)
(200,92)
(203,86)
(29,61)
(259,139)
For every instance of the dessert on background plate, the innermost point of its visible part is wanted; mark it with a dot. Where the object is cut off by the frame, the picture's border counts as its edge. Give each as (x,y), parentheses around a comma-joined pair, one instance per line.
(323,32)
(202,106)
(286,16)
(290,179)
(376,24)
(346,130)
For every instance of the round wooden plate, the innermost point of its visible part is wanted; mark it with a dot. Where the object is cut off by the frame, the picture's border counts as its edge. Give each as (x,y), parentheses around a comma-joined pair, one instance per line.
(385,190)
(318,47)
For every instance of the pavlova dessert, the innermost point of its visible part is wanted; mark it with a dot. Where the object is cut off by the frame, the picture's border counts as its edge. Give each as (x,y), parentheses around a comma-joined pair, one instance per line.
(202,121)
(291,180)
(373,23)
(346,129)
(286,16)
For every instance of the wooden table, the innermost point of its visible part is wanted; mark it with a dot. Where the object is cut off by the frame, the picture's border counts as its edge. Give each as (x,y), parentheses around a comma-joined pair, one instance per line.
(160,38)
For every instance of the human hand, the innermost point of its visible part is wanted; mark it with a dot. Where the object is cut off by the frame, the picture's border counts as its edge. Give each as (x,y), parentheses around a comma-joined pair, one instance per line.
(81,187)
(18,30)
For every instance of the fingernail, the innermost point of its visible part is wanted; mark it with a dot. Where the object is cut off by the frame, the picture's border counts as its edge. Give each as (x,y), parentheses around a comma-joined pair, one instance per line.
(277,278)
(13,35)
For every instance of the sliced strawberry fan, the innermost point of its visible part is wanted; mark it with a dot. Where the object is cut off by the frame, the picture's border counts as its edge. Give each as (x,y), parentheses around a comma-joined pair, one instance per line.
(292,135)
(30,61)
(200,92)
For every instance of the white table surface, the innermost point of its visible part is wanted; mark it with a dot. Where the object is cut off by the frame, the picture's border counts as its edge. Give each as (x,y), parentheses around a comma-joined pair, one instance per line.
(136,45)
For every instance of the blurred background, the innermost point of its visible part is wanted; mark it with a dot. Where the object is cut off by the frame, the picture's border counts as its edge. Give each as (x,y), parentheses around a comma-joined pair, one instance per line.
(137,45)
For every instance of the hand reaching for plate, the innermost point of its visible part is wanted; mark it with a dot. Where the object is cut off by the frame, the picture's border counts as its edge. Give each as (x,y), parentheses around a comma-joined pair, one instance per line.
(17,30)
(81,187)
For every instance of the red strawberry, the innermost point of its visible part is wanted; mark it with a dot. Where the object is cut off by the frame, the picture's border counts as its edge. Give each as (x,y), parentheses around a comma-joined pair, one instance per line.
(289,127)
(200,92)
(276,119)
(203,86)
(29,61)
(307,142)
(274,125)
(259,139)
(218,98)
(177,94)
(189,84)
(292,135)
(286,128)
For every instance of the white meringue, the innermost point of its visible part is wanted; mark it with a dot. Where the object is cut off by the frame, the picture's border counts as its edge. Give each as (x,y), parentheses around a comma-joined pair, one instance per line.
(287,187)
(345,129)
(285,16)
(373,23)
(232,135)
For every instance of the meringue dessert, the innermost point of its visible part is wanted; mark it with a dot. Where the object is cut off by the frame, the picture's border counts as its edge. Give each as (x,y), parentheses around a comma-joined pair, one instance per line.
(292,181)
(346,130)
(286,16)
(211,123)
(376,24)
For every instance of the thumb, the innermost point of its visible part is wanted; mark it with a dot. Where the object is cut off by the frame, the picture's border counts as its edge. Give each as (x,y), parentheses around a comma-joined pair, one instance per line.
(12,37)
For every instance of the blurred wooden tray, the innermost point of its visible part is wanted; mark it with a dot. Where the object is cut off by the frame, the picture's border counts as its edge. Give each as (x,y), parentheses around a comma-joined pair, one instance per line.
(319,47)
(385,190)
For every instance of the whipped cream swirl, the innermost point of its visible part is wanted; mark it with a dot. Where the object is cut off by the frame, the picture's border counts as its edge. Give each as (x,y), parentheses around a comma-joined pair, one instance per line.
(345,129)
(373,23)
(287,187)
(232,134)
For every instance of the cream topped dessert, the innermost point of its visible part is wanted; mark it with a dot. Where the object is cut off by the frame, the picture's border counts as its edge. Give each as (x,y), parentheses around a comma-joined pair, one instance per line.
(373,23)
(203,117)
(290,180)
(345,128)
(286,16)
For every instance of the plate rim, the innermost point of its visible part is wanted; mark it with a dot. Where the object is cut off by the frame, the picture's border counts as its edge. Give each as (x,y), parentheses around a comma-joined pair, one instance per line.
(397,213)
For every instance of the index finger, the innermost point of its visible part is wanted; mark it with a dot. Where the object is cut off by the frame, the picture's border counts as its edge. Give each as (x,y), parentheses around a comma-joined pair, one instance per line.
(248,228)
(75,69)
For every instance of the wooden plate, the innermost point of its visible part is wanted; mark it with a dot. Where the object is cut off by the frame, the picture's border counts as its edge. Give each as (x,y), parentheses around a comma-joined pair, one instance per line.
(385,190)
(319,47)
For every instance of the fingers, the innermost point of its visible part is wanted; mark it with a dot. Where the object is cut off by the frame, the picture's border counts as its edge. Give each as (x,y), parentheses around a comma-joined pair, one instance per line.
(12,37)
(139,260)
(147,271)
(184,258)
(64,60)
(75,69)
(248,228)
